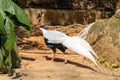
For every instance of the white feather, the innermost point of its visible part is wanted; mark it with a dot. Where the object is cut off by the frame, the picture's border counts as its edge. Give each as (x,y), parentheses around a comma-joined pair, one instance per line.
(79,46)
(84,32)
(86,45)
(53,36)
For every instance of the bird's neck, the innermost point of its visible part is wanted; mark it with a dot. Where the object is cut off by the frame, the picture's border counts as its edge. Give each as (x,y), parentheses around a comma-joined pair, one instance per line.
(44,31)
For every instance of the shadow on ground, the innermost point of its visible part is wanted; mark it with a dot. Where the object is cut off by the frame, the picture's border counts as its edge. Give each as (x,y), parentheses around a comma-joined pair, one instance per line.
(70,62)
(26,58)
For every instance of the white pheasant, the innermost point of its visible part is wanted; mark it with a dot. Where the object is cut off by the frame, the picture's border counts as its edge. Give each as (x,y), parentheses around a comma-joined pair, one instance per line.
(75,43)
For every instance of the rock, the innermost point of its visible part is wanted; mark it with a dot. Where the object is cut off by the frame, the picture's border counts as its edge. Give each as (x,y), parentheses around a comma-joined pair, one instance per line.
(104,36)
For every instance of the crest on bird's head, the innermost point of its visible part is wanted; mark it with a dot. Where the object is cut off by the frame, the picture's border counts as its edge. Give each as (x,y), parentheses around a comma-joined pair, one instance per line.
(43,26)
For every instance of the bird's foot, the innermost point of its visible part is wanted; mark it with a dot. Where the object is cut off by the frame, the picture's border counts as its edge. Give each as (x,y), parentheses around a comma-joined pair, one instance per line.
(65,62)
(52,60)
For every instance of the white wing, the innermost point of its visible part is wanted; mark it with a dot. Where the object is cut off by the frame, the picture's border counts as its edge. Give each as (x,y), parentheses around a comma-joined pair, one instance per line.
(54,36)
(84,32)
(79,46)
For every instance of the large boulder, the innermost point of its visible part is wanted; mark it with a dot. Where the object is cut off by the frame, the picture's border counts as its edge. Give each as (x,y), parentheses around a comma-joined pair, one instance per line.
(105,37)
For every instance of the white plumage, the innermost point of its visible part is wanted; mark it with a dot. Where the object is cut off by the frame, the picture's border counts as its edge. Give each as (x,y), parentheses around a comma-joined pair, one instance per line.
(80,46)
(74,43)
(53,35)
(84,32)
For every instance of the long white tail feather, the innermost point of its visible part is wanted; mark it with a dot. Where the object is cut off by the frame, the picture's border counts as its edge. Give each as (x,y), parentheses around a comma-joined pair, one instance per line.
(84,32)
(86,45)
(79,46)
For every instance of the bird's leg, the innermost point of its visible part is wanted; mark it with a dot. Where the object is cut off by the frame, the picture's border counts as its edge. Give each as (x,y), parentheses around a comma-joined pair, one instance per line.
(53,57)
(54,54)
(65,56)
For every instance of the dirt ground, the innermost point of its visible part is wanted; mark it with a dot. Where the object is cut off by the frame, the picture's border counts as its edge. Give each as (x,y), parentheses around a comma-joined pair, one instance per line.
(36,65)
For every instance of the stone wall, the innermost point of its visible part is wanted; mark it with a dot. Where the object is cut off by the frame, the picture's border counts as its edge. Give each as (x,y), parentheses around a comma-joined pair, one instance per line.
(64,17)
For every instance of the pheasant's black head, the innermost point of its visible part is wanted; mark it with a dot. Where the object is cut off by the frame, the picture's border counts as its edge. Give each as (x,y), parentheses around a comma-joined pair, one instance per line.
(43,27)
